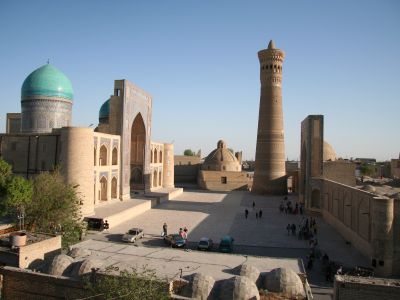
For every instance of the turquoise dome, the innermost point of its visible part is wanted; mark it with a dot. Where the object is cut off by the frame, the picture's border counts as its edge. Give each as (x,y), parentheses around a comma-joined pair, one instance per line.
(104,110)
(47,81)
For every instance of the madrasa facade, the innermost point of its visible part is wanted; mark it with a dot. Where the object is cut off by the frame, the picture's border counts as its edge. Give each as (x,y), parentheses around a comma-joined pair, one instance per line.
(104,164)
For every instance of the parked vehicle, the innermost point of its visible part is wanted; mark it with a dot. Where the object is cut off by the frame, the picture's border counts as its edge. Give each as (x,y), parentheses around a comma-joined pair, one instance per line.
(132,235)
(175,240)
(94,223)
(226,244)
(205,243)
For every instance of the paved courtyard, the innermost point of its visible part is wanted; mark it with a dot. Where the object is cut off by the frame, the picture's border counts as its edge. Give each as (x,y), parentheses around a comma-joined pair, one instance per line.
(210,214)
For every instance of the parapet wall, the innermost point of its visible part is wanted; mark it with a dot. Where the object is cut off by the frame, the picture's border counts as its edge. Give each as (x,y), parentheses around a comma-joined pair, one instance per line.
(25,284)
(340,171)
(361,288)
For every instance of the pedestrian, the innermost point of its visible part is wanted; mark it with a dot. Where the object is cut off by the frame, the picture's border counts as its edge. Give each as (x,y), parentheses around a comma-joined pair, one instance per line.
(184,233)
(254,204)
(256,215)
(260,214)
(165,229)
(106,226)
(339,271)
(293,228)
(288,228)
(246,213)
(180,232)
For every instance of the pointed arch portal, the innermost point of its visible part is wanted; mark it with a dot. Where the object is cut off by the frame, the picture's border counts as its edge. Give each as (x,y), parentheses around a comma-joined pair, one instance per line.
(137,160)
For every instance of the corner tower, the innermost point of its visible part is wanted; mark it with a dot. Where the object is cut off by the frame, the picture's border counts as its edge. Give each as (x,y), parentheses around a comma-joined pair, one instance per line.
(269,171)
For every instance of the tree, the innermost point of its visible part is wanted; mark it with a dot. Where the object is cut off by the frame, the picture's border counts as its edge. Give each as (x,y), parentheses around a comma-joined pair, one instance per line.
(133,284)
(5,175)
(367,169)
(55,208)
(15,191)
(188,152)
(18,196)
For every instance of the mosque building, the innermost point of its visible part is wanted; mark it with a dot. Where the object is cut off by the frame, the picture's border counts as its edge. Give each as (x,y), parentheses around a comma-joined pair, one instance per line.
(104,164)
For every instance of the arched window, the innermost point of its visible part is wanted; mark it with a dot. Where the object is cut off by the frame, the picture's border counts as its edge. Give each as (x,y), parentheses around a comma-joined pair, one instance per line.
(160,156)
(115,156)
(114,188)
(151,156)
(155,155)
(159,179)
(103,156)
(103,189)
(155,178)
(95,158)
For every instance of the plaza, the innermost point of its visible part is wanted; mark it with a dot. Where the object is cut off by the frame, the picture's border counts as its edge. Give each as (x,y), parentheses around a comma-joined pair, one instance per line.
(210,214)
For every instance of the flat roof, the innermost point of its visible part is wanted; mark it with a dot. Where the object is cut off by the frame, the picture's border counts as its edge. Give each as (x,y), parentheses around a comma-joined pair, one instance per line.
(168,262)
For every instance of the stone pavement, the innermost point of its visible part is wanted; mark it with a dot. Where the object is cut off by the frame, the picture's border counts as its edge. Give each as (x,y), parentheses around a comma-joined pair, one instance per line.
(213,215)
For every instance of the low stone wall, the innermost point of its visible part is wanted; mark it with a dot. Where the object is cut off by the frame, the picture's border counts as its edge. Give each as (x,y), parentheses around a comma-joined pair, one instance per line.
(361,288)
(25,284)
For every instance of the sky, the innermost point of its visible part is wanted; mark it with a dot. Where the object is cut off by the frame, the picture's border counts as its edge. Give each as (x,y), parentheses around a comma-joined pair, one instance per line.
(198,59)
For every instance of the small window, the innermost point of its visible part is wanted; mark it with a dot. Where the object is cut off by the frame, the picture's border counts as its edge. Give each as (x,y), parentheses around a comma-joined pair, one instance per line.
(223,180)
(117,92)
(223,168)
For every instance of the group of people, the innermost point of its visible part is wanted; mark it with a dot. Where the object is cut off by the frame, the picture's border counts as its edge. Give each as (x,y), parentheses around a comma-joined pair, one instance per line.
(182,232)
(307,229)
(287,207)
(259,212)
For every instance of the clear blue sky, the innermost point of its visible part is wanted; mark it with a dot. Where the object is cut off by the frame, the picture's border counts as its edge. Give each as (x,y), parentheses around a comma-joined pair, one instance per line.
(199,61)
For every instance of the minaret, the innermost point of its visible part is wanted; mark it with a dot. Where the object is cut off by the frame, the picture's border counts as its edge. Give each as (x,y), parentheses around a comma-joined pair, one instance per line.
(269,171)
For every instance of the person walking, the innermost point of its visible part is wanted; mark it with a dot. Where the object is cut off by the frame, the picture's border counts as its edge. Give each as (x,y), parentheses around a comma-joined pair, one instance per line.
(106,226)
(254,205)
(246,213)
(288,228)
(165,229)
(293,228)
(260,214)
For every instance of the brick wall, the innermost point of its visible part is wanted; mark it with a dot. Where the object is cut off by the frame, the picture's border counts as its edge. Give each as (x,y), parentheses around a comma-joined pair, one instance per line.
(25,284)
(360,288)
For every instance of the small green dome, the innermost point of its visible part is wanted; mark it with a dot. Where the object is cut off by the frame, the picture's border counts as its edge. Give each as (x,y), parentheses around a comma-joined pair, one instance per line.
(47,81)
(104,110)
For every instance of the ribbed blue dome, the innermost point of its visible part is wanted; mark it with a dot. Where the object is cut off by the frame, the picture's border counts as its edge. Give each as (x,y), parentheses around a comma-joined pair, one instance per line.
(47,81)
(104,110)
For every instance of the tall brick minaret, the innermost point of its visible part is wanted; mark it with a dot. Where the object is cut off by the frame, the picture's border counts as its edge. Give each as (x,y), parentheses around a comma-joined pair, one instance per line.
(269,171)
